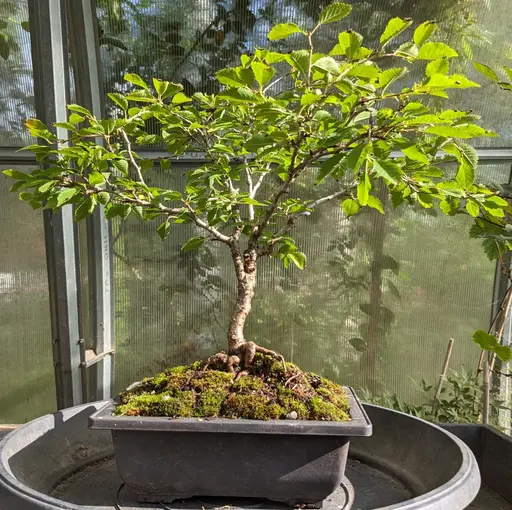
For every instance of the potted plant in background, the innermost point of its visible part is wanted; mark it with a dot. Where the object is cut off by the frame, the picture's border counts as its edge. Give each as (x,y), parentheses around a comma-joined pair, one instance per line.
(245,422)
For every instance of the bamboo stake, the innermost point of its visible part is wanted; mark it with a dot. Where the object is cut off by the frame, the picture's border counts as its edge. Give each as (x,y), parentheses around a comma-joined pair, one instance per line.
(486,393)
(446,363)
(497,322)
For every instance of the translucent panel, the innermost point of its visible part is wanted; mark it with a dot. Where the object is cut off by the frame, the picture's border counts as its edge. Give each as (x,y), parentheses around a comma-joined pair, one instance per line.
(16,82)
(377,304)
(188,40)
(26,364)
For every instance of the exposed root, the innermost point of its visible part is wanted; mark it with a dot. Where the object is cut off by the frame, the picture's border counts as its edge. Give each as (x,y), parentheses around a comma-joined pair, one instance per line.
(240,359)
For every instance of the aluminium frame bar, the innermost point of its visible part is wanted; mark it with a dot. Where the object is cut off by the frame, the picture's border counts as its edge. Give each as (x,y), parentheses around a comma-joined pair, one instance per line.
(86,60)
(51,86)
(13,156)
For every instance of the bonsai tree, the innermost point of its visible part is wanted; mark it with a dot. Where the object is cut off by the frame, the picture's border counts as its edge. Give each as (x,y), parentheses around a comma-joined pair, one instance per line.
(355,123)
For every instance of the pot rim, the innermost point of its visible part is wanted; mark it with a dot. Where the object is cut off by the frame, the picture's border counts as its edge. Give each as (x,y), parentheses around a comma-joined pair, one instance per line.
(359,425)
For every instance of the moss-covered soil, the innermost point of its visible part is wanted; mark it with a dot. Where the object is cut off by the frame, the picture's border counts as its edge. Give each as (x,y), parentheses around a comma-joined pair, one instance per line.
(272,390)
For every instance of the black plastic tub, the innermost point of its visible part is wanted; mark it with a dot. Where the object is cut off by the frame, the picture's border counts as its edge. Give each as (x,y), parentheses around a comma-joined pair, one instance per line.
(290,461)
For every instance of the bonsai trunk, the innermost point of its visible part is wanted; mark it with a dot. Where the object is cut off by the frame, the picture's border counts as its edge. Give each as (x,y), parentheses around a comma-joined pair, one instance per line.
(240,351)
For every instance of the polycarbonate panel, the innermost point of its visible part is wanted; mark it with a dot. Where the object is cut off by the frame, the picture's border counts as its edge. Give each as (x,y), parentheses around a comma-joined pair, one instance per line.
(188,40)
(26,364)
(16,81)
(376,306)
(381,295)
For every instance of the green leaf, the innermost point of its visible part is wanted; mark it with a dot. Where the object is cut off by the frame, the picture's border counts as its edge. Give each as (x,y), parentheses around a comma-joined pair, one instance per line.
(408,50)
(164,229)
(504,352)
(299,60)
(439,66)
(435,51)
(472,208)
(74,118)
(424,32)
(258,142)
(239,95)
(468,158)
(136,80)
(349,43)
(79,109)
(327,64)
(389,76)
(357,156)
(235,78)
(328,167)
(283,30)
(369,70)
(500,202)
(375,203)
(461,131)
(121,165)
(484,340)
(15,174)
(455,81)
(363,189)
(166,89)
(262,72)
(95,178)
(334,12)
(181,98)
(350,207)
(193,243)
(103,197)
(85,208)
(413,152)
(388,170)
(298,258)
(141,96)
(486,71)
(66,195)
(25,25)
(119,100)
(393,29)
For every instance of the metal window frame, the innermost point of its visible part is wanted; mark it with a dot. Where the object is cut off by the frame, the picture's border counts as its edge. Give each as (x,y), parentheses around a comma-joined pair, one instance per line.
(86,60)
(51,87)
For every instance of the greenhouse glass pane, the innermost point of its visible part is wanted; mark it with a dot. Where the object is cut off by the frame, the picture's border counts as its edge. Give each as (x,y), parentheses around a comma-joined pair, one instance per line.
(377,304)
(26,364)
(188,40)
(16,81)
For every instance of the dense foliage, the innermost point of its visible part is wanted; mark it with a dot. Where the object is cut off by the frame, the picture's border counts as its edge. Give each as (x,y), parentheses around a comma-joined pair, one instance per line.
(278,118)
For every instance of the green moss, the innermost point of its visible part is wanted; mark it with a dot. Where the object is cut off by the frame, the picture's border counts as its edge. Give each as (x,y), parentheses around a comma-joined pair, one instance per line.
(250,407)
(160,404)
(209,403)
(321,410)
(248,384)
(212,380)
(272,391)
(289,401)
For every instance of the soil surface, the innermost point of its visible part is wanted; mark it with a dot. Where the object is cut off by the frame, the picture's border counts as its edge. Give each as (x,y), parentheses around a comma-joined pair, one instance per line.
(271,390)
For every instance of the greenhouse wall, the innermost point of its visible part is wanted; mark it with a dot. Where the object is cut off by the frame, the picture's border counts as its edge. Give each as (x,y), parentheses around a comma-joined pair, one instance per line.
(382,295)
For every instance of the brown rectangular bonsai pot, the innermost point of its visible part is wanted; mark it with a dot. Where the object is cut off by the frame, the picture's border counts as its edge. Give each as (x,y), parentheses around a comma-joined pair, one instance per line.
(291,461)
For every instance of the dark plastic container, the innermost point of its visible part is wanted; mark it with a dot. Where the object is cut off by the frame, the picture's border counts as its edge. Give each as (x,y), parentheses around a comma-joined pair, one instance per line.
(291,461)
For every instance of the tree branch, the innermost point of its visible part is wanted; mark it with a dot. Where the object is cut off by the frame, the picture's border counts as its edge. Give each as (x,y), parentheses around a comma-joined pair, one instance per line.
(258,184)
(212,230)
(132,158)
(328,198)
(250,188)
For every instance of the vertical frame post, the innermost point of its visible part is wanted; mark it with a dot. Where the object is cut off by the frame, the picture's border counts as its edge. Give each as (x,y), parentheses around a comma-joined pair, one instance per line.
(51,87)
(85,53)
(501,285)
